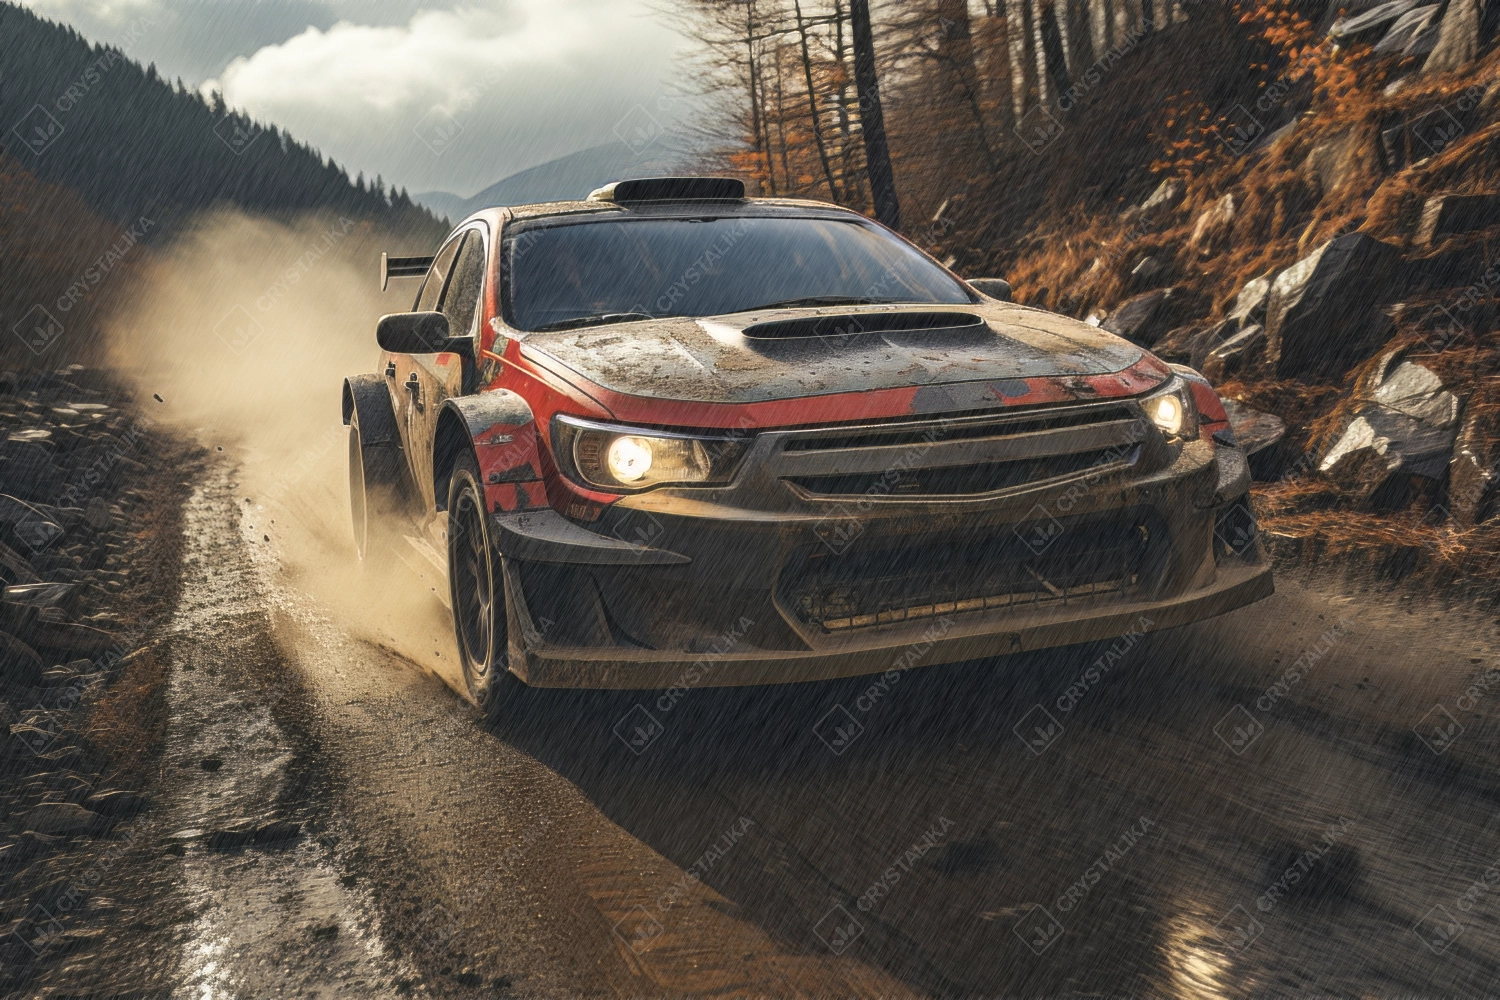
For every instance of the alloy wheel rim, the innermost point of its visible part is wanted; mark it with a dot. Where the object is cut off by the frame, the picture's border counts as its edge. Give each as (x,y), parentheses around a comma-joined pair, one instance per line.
(473,588)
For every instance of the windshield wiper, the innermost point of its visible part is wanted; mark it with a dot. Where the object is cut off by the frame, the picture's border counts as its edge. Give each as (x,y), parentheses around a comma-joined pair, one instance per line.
(577,321)
(823,300)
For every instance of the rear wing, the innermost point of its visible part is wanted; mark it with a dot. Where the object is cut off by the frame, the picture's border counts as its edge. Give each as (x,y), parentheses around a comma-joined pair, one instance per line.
(402,267)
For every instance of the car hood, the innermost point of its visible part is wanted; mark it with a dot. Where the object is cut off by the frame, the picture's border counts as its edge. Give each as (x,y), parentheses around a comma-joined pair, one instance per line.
(711,360)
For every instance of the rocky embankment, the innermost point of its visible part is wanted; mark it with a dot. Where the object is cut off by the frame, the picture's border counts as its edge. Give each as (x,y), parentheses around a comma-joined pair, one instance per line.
(89,495)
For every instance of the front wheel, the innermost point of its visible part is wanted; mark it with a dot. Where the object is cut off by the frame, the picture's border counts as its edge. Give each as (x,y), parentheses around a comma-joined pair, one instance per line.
(477,588)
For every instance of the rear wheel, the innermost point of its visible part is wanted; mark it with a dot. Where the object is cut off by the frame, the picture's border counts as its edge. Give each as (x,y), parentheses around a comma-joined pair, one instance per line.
(374,496)
(477,587)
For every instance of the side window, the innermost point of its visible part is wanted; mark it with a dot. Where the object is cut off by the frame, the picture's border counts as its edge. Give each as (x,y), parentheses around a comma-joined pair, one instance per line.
(432,288)
(461,301)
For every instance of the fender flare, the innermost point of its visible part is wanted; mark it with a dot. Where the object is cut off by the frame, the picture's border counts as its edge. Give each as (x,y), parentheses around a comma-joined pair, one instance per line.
(368,395)
(499,429)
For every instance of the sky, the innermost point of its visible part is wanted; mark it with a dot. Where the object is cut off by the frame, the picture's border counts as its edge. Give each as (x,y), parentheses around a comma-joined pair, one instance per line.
(431,96)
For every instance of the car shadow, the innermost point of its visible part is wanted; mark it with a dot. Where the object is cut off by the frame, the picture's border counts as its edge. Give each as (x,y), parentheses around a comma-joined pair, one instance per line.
(952,825)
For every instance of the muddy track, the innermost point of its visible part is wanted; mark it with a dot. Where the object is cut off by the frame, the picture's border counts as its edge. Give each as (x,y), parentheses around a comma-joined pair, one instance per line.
(330,817)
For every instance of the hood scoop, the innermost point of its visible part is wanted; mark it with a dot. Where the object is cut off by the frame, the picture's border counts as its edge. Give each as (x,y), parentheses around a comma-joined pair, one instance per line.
(858,324)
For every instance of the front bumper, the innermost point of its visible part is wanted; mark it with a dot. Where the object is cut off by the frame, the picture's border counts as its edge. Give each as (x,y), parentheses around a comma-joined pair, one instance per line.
(694,588)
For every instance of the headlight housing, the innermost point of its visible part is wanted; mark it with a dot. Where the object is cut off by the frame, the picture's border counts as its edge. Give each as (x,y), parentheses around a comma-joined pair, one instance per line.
(1172,411)
(630,459)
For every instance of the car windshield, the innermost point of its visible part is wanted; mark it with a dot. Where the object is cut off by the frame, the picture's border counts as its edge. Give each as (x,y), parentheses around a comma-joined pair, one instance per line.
(615,270)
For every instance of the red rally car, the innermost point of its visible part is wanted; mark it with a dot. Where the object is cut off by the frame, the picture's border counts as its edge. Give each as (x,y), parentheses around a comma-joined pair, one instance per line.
(673,436)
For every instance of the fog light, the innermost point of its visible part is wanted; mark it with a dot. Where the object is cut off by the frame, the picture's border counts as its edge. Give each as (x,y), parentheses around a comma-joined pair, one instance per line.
(629,458)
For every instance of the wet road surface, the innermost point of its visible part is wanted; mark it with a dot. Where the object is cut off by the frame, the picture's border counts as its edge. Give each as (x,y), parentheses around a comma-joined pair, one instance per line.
(1296,799)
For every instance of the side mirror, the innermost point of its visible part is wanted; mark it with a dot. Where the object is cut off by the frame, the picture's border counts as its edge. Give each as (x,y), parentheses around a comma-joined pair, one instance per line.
(417,333)
(995,288)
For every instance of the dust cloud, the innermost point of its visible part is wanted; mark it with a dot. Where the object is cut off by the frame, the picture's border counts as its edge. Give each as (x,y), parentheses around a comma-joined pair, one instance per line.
(246,328)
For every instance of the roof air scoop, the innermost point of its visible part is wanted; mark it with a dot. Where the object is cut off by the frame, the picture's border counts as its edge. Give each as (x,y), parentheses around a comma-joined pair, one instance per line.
(672,189)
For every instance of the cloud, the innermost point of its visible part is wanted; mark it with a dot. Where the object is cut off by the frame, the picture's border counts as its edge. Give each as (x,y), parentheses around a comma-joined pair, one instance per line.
(525,80)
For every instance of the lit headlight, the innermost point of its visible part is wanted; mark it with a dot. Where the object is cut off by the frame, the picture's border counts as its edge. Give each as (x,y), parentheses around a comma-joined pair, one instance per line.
(628,458)
(1172,411)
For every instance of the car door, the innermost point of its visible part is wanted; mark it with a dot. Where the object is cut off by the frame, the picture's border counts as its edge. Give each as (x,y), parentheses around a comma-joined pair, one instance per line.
(441,375)
(403,372)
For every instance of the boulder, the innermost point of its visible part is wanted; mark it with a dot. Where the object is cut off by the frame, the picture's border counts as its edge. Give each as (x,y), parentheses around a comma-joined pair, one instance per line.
(1212,231)
(1137,318)
(19,663)
(59,818)
(1458,39)
(1254,430)
(1211,339)
(1321,315)
(1405,427)
(1475,470)
(1250,305)
(1457,213)
(1406,30)
(1366,25)
(1165,198)
(1242,351)
(1177,345)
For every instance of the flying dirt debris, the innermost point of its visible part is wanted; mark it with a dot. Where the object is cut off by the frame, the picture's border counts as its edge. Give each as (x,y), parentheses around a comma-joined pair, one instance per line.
(795,516)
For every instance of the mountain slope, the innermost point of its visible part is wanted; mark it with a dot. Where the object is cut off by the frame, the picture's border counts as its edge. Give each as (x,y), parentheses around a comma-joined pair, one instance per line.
(131,144)
(571,176)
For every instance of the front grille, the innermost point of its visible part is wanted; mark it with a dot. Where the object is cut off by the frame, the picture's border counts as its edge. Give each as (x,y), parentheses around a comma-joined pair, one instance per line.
(961,480)
(1019,566)
(933,432)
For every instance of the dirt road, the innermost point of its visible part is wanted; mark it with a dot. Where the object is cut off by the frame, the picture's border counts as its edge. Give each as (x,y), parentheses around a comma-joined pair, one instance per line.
(1296,799)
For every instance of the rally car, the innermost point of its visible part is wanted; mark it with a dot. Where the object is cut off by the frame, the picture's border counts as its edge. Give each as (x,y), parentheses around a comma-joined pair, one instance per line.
(673,436)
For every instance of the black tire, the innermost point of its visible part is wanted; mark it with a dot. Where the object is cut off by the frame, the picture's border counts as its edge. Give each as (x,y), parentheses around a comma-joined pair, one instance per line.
(477,588)
(377,468)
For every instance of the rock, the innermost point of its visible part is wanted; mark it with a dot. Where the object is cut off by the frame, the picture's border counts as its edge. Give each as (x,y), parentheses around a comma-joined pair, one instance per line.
(116,802)
(1406,427)
(1250,305)
(70,637)
(1330,163)
(1455,213)
(1136,319)
(38,595)
(1368,24)
(1254,431)
(61,818)
(1177,345)
(1321,315)
(1474,473)
(19,663)
(1212,338)
(1212,230)
(1244,350)
(211,763)
(1458,39)
(229,840)
(1406,29)
(97,514)
(1165,198)
(1145,270)
(16,566)
(278,832)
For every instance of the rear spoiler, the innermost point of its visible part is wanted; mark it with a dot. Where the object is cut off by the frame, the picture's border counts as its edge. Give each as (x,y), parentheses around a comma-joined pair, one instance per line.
(402,267)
